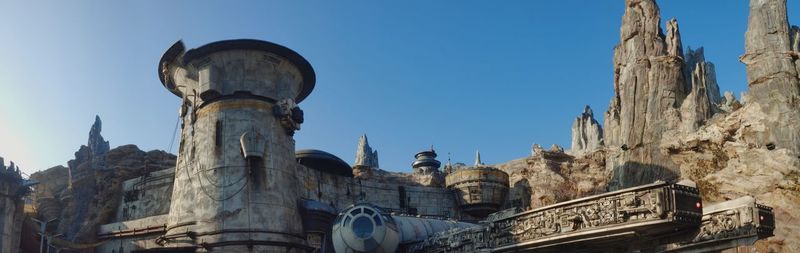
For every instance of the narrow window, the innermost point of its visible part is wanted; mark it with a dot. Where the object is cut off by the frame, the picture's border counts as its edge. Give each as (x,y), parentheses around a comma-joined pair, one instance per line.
(218,134)
(402,191)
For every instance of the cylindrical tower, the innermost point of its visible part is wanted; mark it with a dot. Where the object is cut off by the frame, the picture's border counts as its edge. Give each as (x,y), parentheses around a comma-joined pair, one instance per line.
(426,162)
(479,190)
(235,186)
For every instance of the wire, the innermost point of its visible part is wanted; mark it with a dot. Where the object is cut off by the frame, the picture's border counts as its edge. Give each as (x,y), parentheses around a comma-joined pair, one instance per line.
(174,131)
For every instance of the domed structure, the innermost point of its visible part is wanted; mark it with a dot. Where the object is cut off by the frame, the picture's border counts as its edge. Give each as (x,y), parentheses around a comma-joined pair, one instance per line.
(426,162)
(323,161)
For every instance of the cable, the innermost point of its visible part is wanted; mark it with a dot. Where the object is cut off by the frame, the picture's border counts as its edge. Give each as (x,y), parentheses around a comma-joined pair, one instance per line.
(174,131)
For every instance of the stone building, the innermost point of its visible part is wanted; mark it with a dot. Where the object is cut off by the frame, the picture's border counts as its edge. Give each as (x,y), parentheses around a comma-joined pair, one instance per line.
(13,187)
(239,185)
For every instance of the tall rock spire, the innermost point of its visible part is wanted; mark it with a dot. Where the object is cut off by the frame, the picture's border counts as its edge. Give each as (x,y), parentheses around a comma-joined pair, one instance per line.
(772,63)
(365,156)
(649,86)
(587,135)
(97,144)
(478,158)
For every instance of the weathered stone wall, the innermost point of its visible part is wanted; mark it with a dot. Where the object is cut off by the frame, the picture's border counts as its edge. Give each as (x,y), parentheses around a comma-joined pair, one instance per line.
(119,236)
(217,193)
(147,195)
(340,192)
(11,209)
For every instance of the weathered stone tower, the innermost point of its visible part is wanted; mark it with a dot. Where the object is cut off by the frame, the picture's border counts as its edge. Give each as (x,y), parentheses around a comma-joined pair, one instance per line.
(12,188)
(479,190)
(236,188)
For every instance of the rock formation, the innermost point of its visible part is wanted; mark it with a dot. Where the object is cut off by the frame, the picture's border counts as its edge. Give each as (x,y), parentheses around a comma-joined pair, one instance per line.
(97,179)
(551,176)
(753,149)
(772,74)
(97,144)
(587,135)
(703,100)
(364,154)
(692,59)
(729,103)
(658,91)
(648,88)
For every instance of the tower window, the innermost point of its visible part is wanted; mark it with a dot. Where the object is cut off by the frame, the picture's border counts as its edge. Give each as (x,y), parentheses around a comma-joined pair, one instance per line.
(218,134)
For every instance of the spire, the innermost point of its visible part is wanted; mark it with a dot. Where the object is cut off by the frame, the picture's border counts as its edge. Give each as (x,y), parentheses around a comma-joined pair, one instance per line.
(478,158)
(96,143)
(365,156)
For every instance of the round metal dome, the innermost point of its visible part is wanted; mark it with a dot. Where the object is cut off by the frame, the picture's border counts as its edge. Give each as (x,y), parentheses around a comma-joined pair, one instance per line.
(323,161)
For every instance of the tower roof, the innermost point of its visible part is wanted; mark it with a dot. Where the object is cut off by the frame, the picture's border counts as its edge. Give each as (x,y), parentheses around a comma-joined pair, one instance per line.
(323,161)
(178,49)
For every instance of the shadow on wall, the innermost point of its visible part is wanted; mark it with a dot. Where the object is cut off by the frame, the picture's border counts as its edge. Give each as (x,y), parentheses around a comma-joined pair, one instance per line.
(520,195)
(632,174)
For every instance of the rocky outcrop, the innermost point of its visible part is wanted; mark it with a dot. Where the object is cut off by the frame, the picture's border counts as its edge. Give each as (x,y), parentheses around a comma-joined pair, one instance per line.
(587,135)
(704,99)
(692,59)
(648,88)
(96,178)
(729,103)
(550,176)
(364,154)
(97,144)
(772,74)
(723,162)
(753,150)
(658,92)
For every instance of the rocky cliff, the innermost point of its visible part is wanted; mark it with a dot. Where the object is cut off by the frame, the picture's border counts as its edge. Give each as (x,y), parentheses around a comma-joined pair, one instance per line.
(667,121)
(658,92)
(87,193)
(771,59)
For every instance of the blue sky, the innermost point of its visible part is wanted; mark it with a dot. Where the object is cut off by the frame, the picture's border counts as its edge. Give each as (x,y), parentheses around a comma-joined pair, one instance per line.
(458,75)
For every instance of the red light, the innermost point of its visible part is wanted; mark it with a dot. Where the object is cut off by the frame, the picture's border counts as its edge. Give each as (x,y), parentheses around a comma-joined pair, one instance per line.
(698,205)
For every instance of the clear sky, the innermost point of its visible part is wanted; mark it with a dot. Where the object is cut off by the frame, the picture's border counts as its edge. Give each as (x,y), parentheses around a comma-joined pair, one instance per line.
(496,76)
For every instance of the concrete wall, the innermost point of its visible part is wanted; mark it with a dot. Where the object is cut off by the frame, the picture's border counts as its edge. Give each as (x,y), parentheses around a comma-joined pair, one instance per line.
(11,210)
(129,235)
(146,196)
(340,192)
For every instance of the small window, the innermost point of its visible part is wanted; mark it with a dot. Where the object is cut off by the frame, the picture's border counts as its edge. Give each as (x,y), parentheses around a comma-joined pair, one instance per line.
(377,220)
(362,227)
(369,211)
(218,134)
